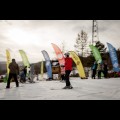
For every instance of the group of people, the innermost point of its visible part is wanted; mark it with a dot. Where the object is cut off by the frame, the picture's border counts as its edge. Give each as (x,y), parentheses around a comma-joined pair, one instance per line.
(14,72)
(23,75)
(99,69)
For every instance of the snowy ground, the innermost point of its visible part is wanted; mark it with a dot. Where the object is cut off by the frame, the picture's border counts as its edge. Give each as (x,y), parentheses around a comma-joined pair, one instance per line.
(104,89)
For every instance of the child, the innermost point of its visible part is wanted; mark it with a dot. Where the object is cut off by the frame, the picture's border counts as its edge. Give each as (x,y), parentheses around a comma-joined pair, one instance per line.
(22,77)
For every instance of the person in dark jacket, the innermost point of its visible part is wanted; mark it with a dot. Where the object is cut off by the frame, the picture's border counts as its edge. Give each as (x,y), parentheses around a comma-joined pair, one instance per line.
(14,71)
(94,68)
(22,76)
(100,69)
(25,72)
(68,69)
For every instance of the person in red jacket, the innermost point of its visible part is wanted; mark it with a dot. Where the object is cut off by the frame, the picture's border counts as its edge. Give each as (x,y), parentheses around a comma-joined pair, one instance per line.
(68,69)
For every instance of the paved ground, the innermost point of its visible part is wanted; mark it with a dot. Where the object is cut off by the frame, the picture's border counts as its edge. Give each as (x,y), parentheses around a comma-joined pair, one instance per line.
(105,89)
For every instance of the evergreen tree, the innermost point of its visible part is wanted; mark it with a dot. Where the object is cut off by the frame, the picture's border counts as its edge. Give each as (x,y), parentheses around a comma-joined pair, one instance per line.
(101,47)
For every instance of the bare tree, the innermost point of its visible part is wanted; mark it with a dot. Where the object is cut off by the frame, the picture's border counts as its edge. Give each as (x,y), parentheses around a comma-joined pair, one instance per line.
(87,50)
(81,43)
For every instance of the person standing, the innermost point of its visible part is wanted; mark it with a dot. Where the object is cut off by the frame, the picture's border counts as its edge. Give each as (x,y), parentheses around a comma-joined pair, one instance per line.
(94,68)
(14,71)
(22,76)
(62,75)
(100,69)
(25,72)
(68,69)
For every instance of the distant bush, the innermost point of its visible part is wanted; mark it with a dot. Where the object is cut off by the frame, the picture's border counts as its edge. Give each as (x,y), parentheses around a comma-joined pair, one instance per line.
(113,75)
(116,75)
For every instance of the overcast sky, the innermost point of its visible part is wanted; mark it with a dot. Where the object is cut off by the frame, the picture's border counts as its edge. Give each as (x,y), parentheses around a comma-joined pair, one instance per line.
(33,36)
